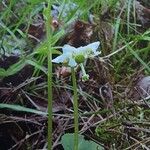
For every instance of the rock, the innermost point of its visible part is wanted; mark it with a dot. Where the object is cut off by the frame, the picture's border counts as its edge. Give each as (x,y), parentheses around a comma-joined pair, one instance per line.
(141,89)
(144,87)
(143,14)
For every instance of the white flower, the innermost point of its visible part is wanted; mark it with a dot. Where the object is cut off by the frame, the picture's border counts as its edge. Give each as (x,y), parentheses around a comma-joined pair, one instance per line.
(72,56)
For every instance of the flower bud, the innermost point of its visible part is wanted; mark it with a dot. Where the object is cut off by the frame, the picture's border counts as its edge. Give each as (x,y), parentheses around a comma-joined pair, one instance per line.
(85,77)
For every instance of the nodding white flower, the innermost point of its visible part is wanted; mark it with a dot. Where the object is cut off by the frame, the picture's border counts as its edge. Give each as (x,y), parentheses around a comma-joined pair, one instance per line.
(73,56)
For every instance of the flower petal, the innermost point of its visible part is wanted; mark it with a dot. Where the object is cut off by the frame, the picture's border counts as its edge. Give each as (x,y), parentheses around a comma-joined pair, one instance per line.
(72,62)
(70,53)
(68,49)
(60,59)
(94,46)
(81,49)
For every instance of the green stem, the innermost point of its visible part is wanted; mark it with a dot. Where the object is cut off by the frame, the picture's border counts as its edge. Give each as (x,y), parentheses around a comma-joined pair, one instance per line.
(75,107)
(49,75)
(85,76)
(83,70)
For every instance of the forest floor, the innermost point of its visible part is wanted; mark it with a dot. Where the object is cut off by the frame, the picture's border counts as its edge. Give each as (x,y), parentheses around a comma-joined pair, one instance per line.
(114,104)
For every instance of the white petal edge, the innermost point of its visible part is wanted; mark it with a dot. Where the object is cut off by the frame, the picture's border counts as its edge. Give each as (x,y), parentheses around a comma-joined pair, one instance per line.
(59,59)
(94,46)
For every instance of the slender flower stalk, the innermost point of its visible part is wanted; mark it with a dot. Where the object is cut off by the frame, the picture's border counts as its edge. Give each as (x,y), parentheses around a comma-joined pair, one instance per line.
(75,107)
(49,75)
(85,76)
(72,57)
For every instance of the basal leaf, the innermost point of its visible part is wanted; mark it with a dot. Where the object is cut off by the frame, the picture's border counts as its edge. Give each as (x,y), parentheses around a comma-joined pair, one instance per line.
(68,143)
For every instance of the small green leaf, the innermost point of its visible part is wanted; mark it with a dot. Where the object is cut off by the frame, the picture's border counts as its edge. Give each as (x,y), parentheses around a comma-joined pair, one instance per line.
(42,49)
(2,72)
(21,108)
(15,67)
(58,36)
(36,65)
(146,38)
(68,143)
